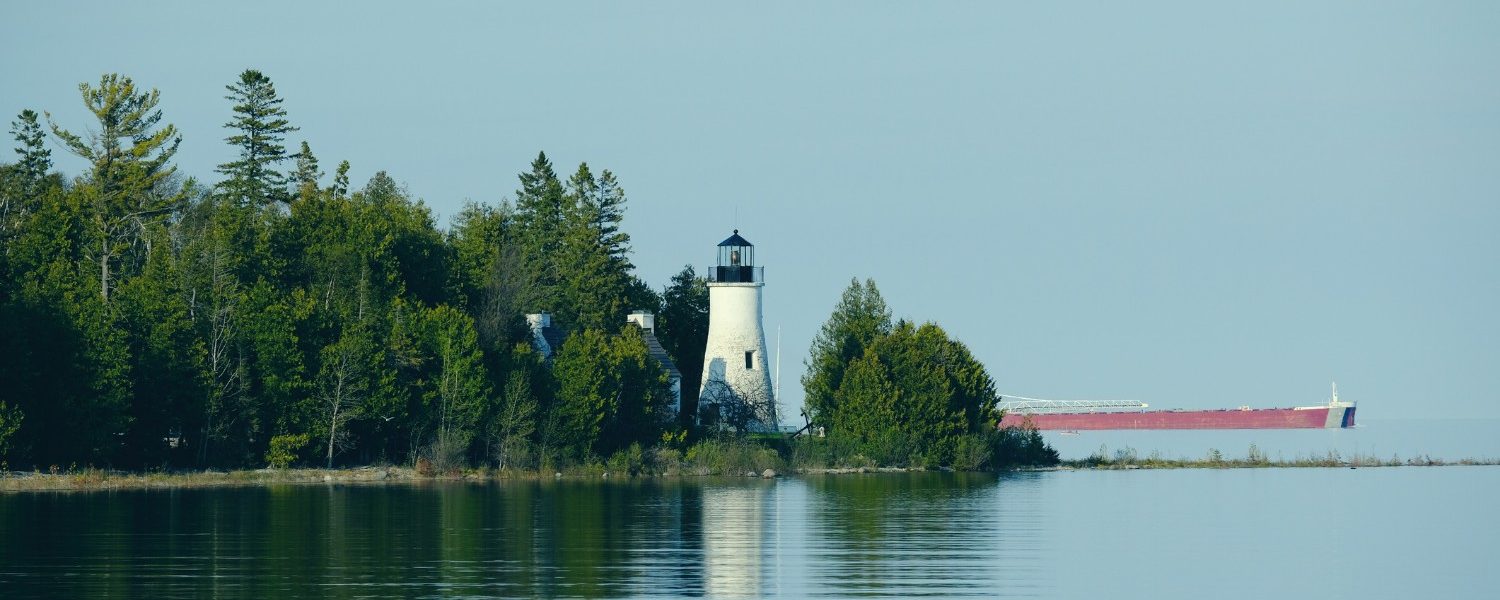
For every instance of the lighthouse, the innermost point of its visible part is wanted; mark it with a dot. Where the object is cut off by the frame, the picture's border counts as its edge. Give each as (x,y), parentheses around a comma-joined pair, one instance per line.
(736,381)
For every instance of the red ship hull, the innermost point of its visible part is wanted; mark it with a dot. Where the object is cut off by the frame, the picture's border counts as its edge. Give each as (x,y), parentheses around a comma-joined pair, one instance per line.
(1319,417)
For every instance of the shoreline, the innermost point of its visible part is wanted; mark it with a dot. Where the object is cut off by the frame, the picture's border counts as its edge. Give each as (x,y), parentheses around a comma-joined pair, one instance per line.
(93,480)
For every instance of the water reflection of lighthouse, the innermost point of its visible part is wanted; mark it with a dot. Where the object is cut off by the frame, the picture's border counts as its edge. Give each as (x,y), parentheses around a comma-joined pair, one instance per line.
(734,524)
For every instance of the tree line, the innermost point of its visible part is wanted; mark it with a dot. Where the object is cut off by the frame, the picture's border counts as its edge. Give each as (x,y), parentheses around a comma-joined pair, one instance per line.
(277,314)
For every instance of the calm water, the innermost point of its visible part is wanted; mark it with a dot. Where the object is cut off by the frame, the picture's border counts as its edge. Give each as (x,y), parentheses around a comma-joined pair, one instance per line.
(1328,533)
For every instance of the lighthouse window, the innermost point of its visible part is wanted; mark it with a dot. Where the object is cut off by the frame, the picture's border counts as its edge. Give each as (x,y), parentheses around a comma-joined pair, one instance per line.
(750,359)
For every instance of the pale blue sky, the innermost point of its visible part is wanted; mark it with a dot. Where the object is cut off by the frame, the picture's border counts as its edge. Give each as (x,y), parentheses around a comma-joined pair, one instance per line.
(1190,205)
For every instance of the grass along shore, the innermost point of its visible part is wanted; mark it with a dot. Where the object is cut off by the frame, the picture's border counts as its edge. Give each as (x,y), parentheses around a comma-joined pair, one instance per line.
(103,479)
(742,458)
(1129,458)
(735,460)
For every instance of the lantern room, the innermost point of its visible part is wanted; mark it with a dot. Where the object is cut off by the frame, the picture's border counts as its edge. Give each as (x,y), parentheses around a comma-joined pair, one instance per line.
(736,262)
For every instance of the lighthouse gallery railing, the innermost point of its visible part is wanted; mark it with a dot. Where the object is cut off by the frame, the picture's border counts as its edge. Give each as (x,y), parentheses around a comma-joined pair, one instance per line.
(737,274)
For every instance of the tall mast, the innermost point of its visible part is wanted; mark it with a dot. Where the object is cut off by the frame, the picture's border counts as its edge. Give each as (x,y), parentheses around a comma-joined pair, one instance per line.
(778,364)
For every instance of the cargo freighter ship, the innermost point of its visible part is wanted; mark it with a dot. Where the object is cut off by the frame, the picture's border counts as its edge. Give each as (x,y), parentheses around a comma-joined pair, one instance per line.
(1065,415)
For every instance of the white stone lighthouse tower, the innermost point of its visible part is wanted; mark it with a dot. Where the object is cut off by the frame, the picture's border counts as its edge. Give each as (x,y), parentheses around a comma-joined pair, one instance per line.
(736,381)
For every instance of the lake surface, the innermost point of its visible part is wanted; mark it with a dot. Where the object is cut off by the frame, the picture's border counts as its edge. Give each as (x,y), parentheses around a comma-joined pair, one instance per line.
(1195,533)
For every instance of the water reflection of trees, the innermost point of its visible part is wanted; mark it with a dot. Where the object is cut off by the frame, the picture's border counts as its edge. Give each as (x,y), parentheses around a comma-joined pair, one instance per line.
(842,534)
(914,533)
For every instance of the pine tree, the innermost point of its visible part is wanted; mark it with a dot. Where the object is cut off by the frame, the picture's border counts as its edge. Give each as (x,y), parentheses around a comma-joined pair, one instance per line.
(122,190)
(605,214)
(595,269)
(261,125)
(36,159)
(341,180)
(540,214)
(683,329)
(540,205)
(21,183)
(307,174)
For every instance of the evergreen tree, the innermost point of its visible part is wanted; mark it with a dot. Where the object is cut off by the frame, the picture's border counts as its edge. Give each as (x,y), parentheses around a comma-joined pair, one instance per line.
(540,205)
(682,328)
(261,125)
(490,276)
(595,278)
(122,192)
(208,326)
(540,217)
(166,353)
(611,393)
(477,236)
(36,158)
(21,183)
(341,180)
(280,399)
(406,254)
(860,317)
(306,177)
(936,394)
(46,372)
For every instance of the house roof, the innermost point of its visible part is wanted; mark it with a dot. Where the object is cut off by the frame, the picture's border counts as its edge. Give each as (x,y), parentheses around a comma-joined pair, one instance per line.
(554,337)
(660,354)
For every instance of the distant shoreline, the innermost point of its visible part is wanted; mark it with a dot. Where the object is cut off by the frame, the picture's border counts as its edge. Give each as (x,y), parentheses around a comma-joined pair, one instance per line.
(1128,458)
(91,480)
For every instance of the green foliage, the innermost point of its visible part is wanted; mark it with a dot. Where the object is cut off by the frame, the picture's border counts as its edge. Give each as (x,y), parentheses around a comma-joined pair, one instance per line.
(611,393)
(912,397)
(457,393)
(35,158)
(285,450)
(730,456)
(126,154)
(629,462)
(260,125)
(828,453)
(10,421)
(306,175)
(860,317)
(130,163)
(22,184)
(515,421)
(1019,446)
(907,394)
(150,322)
(539,219)
(594,276)
(477,238)
(682,328)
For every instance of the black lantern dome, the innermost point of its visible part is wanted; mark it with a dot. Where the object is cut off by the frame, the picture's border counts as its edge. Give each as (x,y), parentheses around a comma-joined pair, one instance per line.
(736,261)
